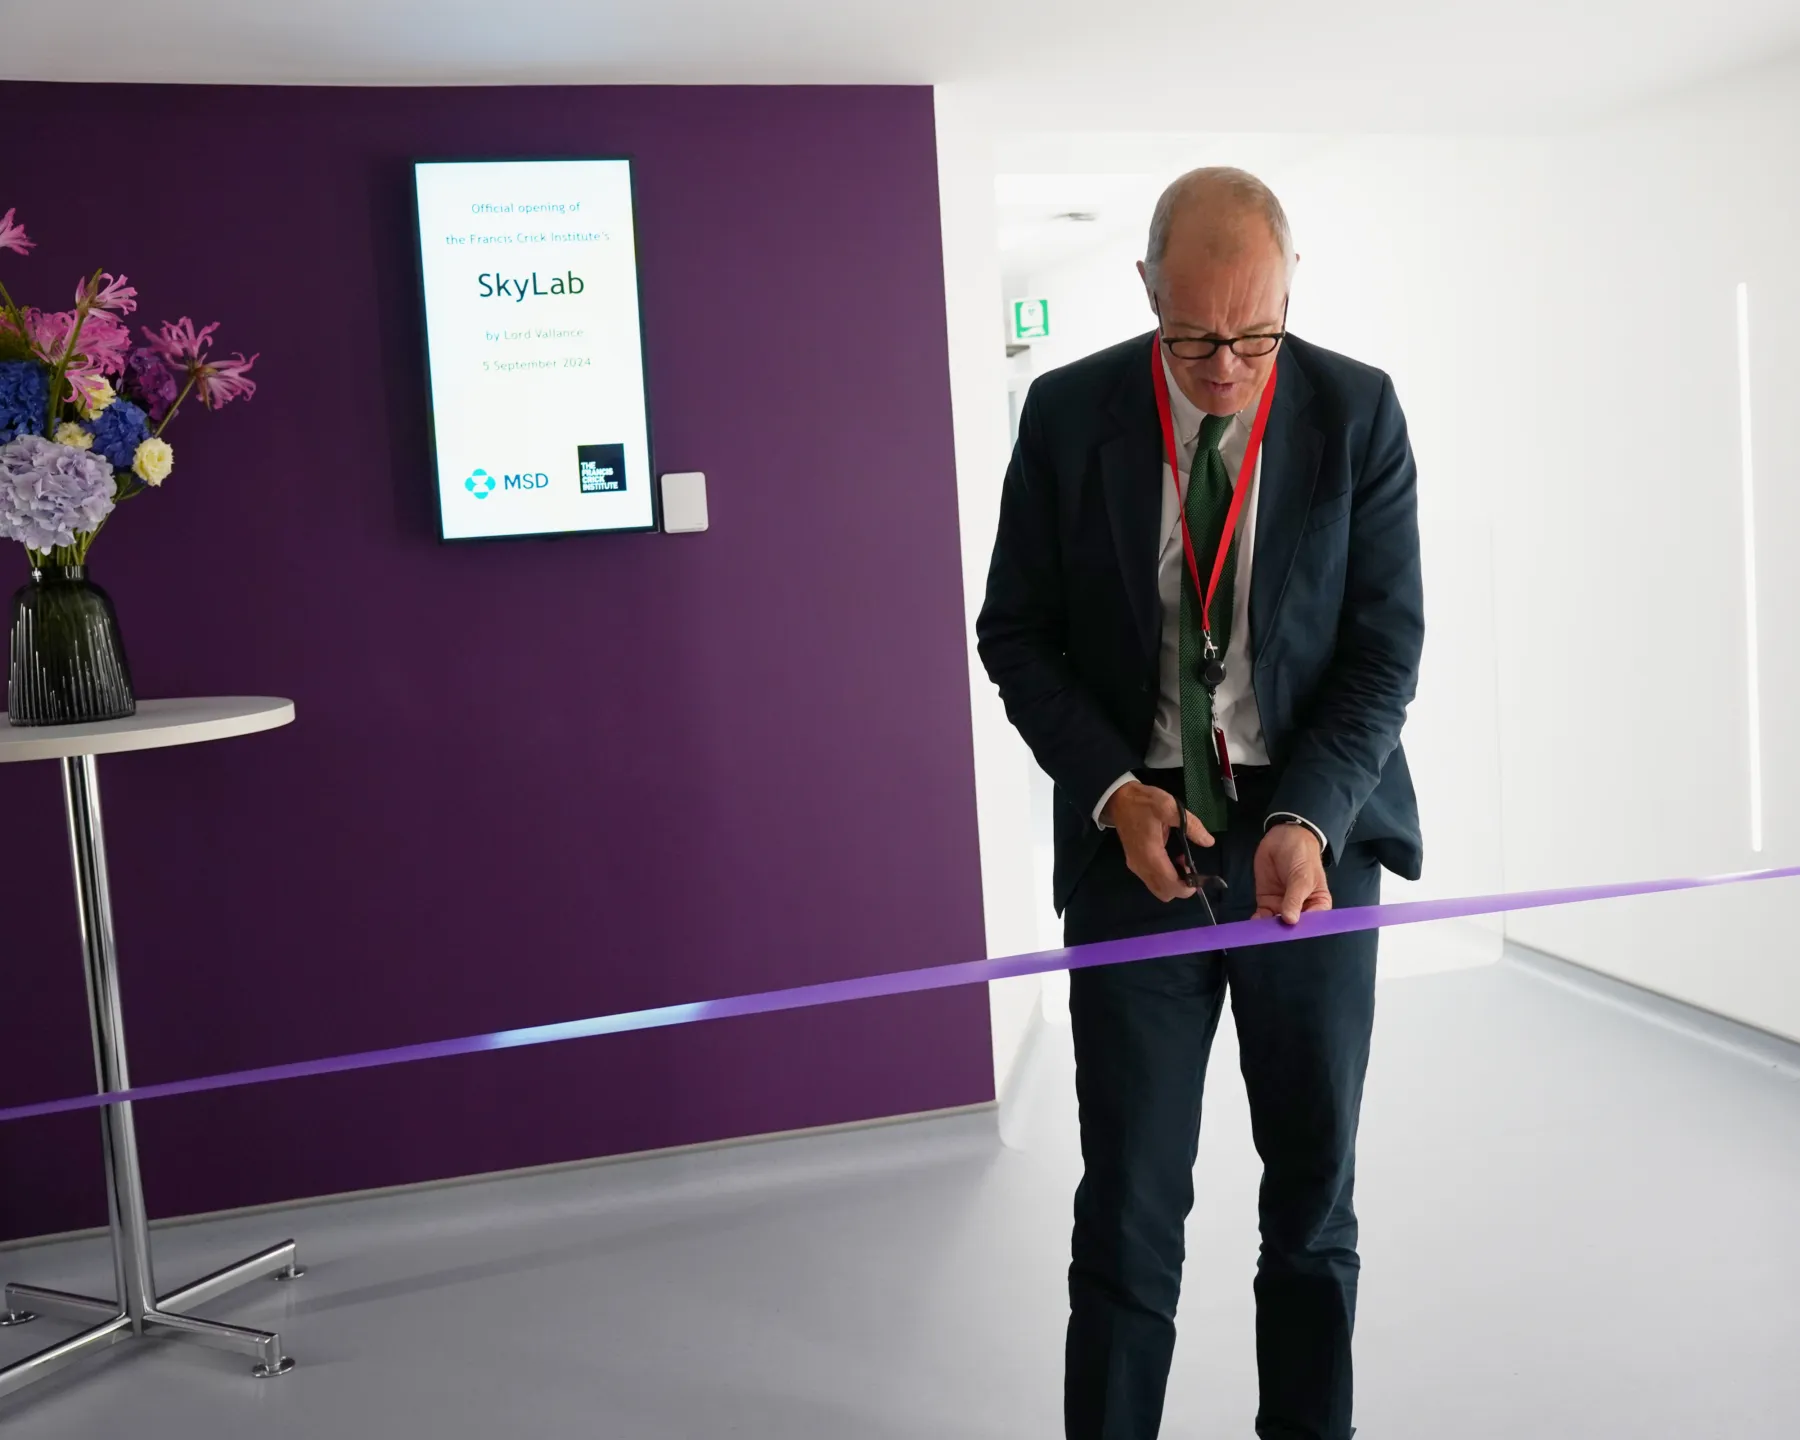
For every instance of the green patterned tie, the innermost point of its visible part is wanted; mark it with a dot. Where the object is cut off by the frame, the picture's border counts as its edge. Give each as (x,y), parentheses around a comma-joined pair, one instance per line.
(1208,501)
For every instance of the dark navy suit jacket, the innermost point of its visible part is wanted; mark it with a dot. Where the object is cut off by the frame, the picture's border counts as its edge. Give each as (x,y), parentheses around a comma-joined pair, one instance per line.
(1072,621)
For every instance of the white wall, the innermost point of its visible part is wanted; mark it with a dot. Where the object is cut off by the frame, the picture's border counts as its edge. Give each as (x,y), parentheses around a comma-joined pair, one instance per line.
(1623,648)
(1003,766)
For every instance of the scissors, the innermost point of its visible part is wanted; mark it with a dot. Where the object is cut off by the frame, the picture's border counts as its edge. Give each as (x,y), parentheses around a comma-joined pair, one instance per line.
(1209,887)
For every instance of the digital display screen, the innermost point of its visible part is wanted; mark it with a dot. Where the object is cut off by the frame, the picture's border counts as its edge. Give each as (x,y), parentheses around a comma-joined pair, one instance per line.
(535,345)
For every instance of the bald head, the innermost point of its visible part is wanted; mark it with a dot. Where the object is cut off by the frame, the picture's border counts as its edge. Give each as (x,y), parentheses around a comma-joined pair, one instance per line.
(1217,270)
(1218,213)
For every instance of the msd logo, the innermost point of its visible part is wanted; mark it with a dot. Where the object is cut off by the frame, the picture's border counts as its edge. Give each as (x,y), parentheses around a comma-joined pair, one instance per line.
(481,484)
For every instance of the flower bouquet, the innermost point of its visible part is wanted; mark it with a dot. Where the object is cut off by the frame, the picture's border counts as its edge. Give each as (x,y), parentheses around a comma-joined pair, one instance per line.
(82,416)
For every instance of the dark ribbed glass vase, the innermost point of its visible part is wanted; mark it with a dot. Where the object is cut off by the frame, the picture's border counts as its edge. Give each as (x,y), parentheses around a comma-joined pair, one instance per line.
(68,663)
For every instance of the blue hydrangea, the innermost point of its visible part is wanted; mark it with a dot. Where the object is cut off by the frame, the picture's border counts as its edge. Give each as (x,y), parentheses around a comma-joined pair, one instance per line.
(118,430)
(24,396)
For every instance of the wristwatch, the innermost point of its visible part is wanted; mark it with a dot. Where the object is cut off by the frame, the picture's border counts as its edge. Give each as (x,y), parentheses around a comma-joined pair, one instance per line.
(1287,817)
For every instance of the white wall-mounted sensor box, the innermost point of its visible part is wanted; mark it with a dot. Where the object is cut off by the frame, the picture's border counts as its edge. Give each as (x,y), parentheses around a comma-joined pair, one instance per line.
(684,502)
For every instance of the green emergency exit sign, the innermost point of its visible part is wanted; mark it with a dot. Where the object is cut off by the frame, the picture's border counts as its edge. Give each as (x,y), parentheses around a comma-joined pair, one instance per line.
(1031,319)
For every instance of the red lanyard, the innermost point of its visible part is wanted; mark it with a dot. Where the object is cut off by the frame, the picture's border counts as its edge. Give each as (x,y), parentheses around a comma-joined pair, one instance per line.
(1246,473)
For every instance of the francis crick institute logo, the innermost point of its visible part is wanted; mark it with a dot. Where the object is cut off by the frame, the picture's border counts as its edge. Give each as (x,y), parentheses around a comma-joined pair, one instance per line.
(602,469)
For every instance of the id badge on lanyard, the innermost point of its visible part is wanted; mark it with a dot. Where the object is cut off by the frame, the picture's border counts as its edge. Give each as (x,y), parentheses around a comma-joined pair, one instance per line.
(1212,663)
(1227,781)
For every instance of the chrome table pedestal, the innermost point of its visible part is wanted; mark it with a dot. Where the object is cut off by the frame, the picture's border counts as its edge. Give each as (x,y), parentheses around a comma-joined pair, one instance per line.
(138,1312)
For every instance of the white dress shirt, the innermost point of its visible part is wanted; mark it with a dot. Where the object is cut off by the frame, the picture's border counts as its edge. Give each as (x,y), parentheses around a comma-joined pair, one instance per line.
(1234,704)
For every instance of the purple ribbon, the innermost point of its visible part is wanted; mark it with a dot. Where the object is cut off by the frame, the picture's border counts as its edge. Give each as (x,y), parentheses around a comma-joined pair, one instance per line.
(1235,936)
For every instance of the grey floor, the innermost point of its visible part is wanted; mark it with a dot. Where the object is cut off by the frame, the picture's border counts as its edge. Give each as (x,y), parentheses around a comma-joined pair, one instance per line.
(1576,1221)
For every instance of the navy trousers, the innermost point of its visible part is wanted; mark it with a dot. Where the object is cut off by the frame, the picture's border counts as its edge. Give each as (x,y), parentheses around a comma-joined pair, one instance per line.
(1304,1011)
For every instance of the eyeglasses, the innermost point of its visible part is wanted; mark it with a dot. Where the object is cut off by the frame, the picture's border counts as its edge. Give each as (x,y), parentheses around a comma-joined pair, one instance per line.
(1204,347)
(1245,347)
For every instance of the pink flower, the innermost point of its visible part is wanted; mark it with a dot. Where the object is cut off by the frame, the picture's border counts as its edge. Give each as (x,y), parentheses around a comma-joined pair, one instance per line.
(216,382)
(50,331)
(84,378)
(180,344)
(12,237)
(105,341)
(102,347)
(115,295)
(86,386)
(219,382)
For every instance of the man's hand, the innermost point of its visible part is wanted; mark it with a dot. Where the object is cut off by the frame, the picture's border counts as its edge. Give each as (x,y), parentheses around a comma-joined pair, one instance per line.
(1290,874)
(1144,815)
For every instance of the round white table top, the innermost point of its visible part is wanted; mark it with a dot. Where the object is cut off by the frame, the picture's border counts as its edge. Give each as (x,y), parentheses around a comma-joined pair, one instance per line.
(158,723)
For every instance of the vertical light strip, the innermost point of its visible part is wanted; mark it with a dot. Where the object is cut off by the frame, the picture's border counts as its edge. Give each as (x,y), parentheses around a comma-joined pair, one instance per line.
(1752,676)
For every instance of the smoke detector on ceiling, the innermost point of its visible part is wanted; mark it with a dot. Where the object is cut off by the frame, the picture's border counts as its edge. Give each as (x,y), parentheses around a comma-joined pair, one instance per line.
(1080,217)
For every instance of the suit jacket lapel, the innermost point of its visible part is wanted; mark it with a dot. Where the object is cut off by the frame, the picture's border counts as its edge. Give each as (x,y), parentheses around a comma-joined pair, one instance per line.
(1131,473)
(1292,446)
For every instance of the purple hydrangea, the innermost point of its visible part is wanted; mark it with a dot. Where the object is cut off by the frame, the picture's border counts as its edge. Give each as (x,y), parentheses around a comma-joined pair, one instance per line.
(51,493)
(150,382)
(24,398)
(118,430)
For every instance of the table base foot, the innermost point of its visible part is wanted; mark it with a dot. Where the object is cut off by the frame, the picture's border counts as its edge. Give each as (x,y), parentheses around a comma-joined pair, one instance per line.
(274,1261)
(167,1317)
(262,1346)
(47,1362)
(82,1309)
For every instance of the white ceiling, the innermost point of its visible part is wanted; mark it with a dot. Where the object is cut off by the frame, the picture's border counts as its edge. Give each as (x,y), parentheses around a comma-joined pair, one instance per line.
(1331,65)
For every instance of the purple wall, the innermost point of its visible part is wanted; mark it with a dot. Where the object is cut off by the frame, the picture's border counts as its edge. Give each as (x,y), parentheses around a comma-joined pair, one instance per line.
(530,780)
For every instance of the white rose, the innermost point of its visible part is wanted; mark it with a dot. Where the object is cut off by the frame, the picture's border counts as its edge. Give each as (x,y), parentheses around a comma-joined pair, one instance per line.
(153,461)
(70,434)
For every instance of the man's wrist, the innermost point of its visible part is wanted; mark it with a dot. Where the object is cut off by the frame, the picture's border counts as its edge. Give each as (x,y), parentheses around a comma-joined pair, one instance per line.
(1287,817)
(1106,799)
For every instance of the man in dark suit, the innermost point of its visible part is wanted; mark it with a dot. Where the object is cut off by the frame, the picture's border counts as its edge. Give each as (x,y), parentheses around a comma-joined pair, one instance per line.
(1193,630)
